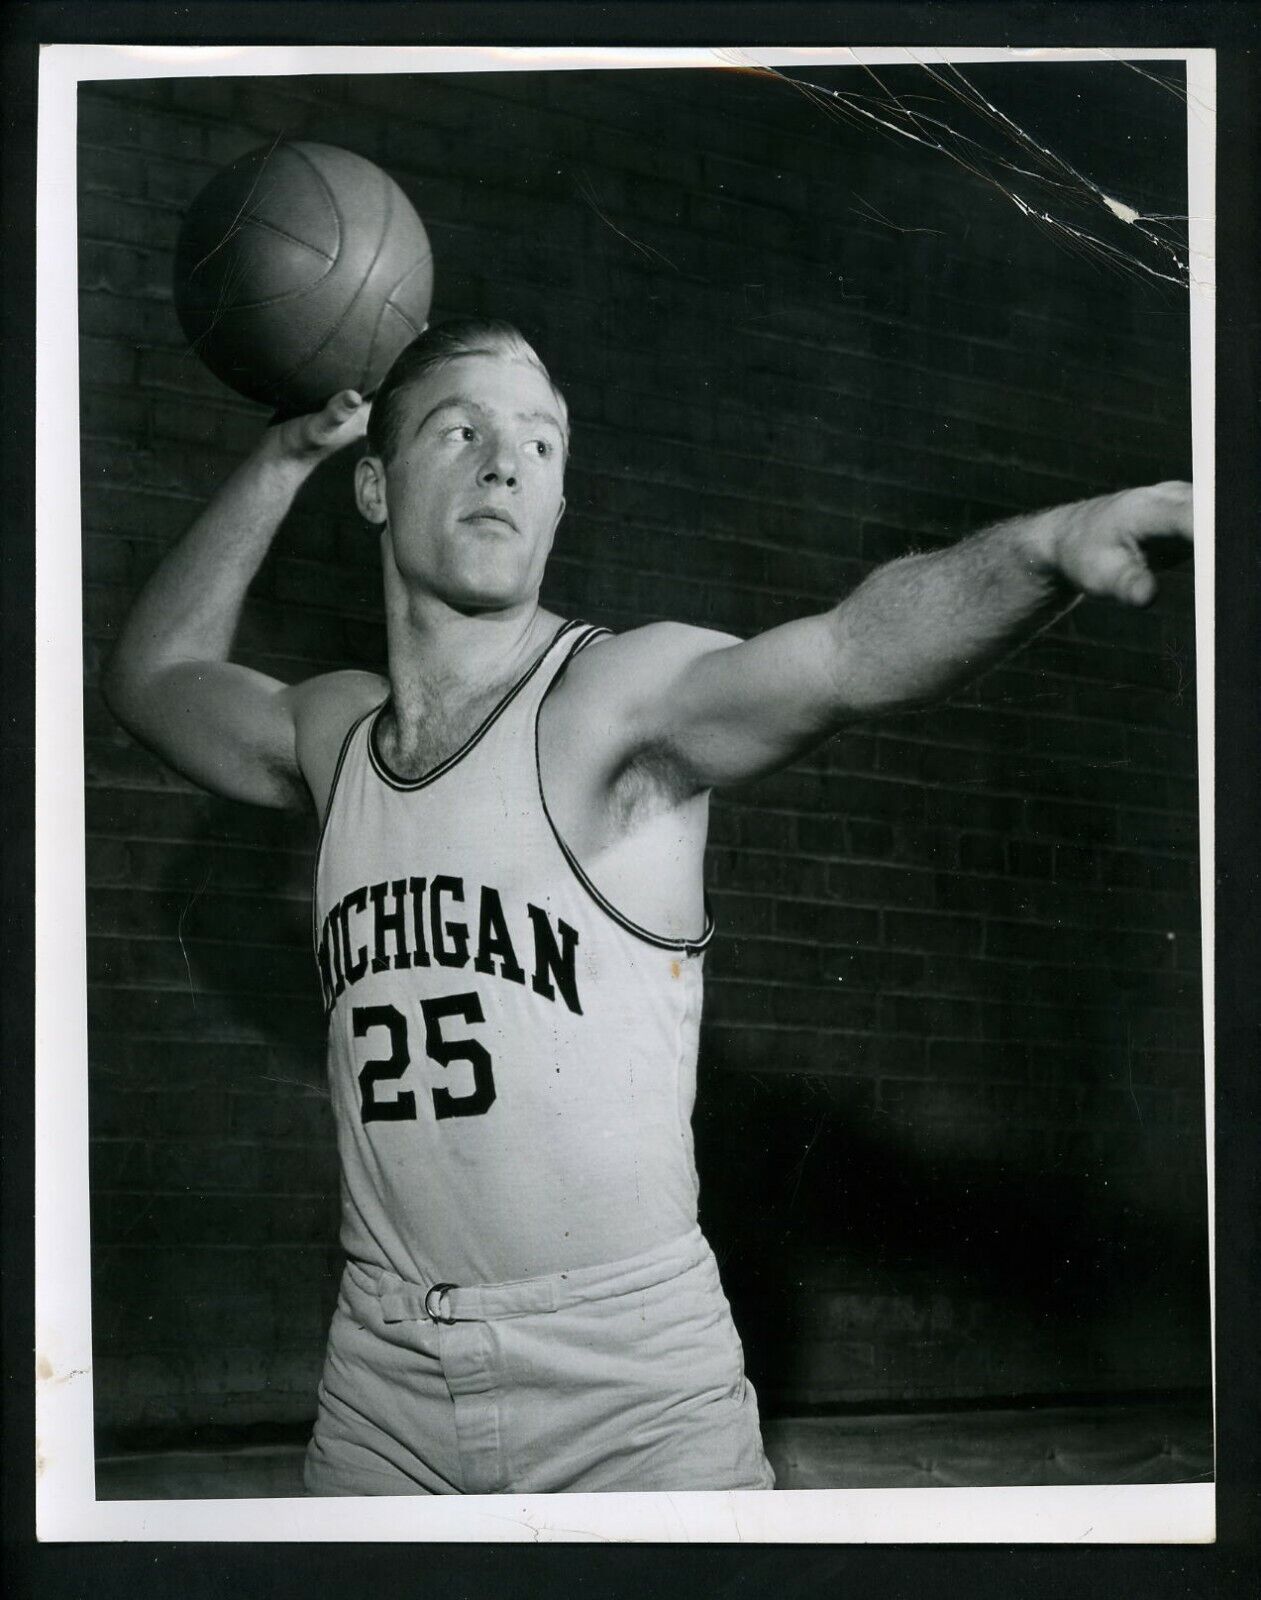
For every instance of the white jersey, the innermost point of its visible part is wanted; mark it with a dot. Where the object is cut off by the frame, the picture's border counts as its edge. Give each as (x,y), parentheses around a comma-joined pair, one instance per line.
(512,1061)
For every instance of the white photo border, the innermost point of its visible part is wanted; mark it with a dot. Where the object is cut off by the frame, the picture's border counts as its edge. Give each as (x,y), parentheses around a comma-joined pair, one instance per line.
(67,1509)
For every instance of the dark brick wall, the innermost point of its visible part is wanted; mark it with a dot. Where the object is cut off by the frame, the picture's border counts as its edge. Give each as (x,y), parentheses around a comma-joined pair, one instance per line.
(951,1109)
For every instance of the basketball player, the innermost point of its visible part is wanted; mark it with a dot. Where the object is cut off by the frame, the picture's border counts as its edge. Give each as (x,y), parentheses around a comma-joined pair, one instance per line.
(509,918)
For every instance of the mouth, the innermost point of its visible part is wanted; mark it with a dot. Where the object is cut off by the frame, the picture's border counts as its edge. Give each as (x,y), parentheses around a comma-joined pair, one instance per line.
(491,514)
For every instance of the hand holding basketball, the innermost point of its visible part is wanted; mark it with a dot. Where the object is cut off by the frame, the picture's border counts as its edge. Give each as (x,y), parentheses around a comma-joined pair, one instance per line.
(316,434)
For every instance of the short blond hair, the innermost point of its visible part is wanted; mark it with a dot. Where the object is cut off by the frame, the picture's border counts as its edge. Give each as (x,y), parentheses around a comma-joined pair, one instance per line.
(439,344)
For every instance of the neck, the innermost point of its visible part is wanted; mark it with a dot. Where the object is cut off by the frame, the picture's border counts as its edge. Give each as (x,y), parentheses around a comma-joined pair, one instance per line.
(441,658)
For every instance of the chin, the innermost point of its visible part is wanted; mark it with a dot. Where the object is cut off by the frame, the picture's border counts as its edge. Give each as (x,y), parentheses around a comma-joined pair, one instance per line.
(498,578)
(488,595)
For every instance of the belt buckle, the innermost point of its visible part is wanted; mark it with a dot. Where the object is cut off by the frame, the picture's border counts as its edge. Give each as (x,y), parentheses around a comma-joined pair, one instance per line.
(435,1293)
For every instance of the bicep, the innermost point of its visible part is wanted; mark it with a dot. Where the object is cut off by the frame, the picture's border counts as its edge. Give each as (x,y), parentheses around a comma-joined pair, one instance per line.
(224,726)
(748,707)
(720,711)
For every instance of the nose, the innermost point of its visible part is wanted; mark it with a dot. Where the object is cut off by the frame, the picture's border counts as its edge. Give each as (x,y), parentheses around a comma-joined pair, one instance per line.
(499,464)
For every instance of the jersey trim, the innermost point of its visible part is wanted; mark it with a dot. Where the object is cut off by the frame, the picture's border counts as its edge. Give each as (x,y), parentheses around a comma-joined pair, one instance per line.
(409,785)
(690,947)
(328,812)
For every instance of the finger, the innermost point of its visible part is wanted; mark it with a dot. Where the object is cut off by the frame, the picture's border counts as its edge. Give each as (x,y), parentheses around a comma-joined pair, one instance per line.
(338,414)
(341,408)
(1182,510)
(1164,510)
(1115,569)
(1131,581)
(1138,587)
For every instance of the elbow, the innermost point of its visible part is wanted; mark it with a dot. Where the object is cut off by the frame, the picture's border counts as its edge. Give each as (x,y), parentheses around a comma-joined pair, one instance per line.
(116,682)
(854,689)
(122,689)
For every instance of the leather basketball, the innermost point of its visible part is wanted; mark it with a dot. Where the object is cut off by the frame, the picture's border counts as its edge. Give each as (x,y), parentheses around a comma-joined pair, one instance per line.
(302,269)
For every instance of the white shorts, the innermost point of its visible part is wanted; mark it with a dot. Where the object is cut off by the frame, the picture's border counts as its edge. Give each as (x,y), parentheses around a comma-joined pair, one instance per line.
(628,1376)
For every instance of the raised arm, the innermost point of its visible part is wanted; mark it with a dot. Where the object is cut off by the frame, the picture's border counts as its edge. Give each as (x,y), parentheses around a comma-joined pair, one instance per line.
(707,710)
(169,680)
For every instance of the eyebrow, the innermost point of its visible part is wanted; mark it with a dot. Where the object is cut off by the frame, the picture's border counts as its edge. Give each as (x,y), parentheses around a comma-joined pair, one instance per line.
(541,416)
(458,400)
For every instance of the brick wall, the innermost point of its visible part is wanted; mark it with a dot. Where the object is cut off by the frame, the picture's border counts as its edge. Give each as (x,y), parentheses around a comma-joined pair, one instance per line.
(951,1112)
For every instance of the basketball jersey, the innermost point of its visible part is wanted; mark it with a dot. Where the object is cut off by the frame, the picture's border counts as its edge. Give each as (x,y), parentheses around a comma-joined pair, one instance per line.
(512,1062)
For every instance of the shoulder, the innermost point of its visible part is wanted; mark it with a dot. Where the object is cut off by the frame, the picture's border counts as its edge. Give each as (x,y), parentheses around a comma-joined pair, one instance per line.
(324,710)
(618,698)
(336,694)
(628,665)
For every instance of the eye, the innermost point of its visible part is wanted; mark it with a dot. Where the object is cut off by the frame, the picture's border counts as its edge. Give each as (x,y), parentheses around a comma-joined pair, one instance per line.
(544,447)
(462,433)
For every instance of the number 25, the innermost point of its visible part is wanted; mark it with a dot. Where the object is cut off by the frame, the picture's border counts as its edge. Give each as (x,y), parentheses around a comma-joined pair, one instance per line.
(402,1108)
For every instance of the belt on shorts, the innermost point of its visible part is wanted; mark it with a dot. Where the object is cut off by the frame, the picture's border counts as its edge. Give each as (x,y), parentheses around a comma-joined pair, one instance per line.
(402,1301)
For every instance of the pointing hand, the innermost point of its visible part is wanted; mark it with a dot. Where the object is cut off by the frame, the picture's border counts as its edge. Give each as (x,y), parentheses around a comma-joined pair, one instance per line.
(1109,546)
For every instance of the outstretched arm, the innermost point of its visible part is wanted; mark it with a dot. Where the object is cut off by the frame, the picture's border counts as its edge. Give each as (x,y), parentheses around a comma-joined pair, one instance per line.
(714,711)
(169,680)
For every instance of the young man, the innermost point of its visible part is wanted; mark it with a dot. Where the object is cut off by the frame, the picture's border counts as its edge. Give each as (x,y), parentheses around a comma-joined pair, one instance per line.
(509,913)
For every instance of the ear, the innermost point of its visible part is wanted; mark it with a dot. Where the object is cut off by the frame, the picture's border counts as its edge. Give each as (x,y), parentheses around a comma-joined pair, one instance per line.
(370,489)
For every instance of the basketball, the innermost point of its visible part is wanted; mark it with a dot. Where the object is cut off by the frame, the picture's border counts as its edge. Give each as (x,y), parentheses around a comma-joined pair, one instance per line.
(301,270)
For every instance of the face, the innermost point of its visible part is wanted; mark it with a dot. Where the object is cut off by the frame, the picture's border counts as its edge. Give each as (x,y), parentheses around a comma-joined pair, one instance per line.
(474,491)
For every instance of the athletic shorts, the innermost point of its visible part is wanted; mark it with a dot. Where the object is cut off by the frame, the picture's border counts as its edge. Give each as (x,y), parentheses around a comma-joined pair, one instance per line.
(621,1377)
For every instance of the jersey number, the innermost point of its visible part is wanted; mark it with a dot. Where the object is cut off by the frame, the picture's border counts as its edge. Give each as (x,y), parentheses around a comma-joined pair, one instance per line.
(402,1107)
